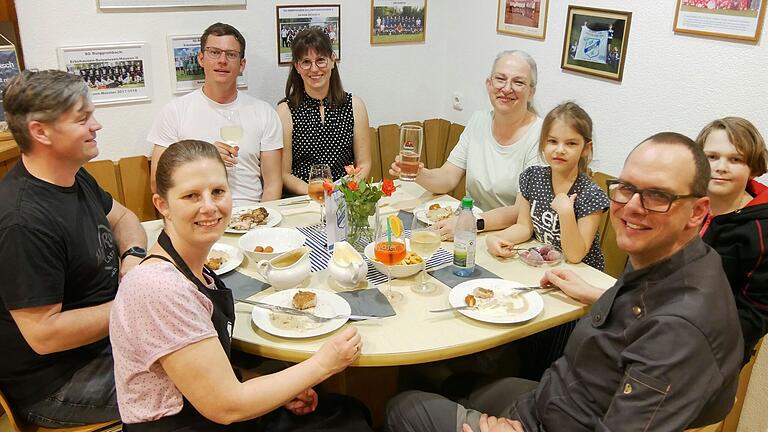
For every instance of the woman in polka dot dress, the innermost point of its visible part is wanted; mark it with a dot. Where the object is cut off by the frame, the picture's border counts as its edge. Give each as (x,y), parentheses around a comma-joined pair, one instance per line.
(559,203)
(321,122)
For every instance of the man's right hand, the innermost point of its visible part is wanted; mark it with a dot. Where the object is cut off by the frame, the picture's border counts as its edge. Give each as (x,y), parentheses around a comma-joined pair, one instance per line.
(227,152)
(335,355)
(572,285)
(394,168)
(492,424)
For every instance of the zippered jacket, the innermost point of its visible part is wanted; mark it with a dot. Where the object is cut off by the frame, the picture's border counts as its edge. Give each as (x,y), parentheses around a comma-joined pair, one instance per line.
(741,238)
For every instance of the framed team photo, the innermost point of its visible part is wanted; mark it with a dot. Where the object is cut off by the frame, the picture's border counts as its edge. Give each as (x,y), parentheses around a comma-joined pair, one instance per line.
(732,19)
(596,41)
(115,73)
(293,19)
(526,18)
(132,4)
(186,72)
(398,21)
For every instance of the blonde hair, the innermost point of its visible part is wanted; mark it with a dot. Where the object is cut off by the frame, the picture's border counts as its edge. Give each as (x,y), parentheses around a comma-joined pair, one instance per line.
(576,118)
(745,137)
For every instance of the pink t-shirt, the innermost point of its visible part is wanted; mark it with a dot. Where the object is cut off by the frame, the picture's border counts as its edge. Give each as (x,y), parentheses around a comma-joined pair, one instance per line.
(157,311)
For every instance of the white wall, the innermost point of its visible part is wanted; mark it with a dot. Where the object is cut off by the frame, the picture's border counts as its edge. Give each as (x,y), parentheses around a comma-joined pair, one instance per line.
(671,82)
(390,79)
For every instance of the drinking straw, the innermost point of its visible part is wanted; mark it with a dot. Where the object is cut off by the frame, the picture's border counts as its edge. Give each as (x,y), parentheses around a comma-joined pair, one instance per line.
(389,235)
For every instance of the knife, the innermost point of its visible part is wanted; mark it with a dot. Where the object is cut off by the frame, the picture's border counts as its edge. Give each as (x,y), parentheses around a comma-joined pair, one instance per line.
(297,312)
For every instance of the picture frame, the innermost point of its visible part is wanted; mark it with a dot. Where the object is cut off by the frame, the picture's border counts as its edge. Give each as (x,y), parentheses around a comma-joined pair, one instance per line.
(292,19)
(595,41)
(186,72)
(734,19)
(398,21)
(115,73)
(134,4)
(10,61)
(527,18)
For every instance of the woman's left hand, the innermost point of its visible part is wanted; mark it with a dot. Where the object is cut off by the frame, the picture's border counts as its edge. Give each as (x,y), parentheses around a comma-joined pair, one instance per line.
(304,403)
(446,227)
(563,203)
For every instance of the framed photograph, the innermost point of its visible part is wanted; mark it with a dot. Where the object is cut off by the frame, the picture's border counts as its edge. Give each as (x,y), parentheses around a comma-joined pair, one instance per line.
(132,4)
(523,18)
(186,72)
(733,19)
(293,19)
(398,21)
(115,73)
(10,68)
(596,41)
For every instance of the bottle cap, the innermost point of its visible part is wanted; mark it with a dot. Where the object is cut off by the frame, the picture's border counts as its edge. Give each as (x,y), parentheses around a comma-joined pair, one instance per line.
(467,202)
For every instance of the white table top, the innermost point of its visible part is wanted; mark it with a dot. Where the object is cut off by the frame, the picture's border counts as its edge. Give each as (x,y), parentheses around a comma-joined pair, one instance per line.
(414,335)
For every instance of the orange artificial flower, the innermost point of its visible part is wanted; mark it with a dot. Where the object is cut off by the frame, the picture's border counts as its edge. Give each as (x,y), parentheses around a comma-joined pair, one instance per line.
(328,186)
(352,185)
(388,187)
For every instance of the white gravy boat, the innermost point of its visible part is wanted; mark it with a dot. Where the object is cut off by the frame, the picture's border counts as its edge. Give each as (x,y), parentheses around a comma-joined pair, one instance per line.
(286,270)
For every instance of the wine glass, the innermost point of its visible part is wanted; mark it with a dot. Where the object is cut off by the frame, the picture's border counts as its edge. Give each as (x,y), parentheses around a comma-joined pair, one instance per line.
(231,131)
(425,240)
(389,250)
(318,173)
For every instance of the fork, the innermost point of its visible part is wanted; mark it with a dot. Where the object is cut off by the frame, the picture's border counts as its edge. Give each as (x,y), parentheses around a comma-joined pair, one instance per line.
(310,315)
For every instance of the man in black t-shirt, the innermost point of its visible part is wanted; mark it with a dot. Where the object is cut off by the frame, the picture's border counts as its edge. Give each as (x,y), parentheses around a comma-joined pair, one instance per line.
(61,241)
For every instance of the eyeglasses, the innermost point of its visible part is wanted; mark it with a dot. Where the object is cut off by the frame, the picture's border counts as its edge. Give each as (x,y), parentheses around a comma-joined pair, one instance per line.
(306,64)
(499,82)
(215,53)
(652,200)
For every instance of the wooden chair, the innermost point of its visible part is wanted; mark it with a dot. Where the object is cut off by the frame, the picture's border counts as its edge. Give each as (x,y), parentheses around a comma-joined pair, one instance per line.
(615,258)
(105,173)
(376,163)
(137,191)
(453,138)
(436,133)
(19,425)
(389,147)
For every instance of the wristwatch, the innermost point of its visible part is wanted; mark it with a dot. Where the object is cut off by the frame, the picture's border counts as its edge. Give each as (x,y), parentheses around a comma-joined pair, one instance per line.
(480,224)
(136,251)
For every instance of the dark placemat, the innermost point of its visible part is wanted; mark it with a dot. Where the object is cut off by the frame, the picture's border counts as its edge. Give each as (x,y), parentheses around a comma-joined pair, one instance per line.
(368,302)
(242,286)
(446,276)
(406,217)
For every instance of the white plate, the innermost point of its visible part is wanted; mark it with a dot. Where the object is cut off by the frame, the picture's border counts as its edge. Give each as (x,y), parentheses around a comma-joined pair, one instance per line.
(234,257)
(444,202)
(273,218)
(291,326)
(498,314)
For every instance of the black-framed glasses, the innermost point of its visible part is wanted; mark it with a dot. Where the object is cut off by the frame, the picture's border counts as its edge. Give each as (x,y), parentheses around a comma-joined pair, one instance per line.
(215,53)
(306,64)
(653,200)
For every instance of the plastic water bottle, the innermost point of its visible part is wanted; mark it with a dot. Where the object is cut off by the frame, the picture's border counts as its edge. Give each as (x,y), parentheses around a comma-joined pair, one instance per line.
(465,240)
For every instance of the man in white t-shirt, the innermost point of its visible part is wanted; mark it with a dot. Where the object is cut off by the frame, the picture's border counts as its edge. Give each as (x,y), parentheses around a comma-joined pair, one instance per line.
(254,162)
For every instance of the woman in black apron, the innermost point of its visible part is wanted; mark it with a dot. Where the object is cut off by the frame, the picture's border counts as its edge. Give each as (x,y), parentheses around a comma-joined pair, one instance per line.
(194,199)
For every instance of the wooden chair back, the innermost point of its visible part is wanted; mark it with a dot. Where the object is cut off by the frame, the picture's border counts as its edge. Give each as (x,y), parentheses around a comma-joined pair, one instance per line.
(137,191)
(435,139)
(106,174)
(389,147)
(19,425)
(615,258)
(376,166)
(453,138)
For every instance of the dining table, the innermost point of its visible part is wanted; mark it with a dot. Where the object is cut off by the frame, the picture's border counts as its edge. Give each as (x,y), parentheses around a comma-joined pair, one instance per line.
(413,335)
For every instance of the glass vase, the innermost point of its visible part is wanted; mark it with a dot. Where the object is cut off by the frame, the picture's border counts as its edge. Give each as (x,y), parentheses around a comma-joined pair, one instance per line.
(362,219)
